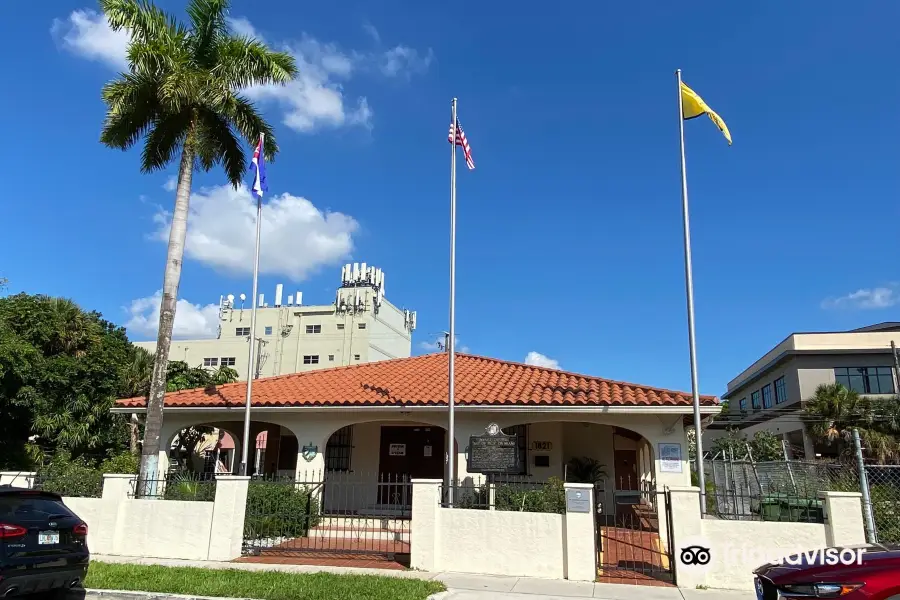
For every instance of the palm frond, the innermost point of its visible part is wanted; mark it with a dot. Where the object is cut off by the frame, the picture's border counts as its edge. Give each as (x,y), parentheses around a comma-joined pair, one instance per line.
(209,25)
(165,138)
(133,106)
(244,62)
(143,20)
(217,143)
(244,116)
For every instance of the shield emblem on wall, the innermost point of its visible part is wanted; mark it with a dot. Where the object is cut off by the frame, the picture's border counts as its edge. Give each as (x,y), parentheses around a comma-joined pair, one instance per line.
(309,452)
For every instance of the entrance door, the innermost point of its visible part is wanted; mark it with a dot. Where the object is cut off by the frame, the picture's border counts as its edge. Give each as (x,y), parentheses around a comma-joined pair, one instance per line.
(415,452)
(626,472)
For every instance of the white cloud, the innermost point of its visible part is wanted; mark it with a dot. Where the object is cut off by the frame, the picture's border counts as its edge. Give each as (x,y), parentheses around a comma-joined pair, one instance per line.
(866,298)
(316,98)
(403,61)
(437,345)
(297,237)
(170,184)
(86,33)
(191,320)
(539,360)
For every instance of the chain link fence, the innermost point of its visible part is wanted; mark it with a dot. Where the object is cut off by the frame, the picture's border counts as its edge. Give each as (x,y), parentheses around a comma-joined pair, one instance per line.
(788,490)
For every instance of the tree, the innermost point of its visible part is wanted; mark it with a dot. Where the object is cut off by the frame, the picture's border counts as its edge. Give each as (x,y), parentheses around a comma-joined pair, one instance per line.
(834,412)
(181,94)
(764,446)
(60,373)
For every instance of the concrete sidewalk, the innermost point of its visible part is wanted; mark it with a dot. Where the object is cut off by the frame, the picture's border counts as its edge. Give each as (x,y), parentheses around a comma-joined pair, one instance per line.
(471,587)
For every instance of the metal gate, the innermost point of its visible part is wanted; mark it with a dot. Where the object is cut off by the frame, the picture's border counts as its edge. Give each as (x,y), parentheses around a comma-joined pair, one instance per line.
(330,513)
(634,545)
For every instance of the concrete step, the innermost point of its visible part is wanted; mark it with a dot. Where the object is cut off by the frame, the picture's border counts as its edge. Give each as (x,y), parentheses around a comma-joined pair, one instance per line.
(364,522)
(358,533)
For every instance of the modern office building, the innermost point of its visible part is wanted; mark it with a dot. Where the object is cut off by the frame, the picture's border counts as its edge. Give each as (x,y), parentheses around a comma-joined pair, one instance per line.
(769,394)
(359,326)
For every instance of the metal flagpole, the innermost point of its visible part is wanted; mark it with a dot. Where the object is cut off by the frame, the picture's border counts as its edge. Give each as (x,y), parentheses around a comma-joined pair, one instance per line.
(245,447)
(689,289)
(451,344)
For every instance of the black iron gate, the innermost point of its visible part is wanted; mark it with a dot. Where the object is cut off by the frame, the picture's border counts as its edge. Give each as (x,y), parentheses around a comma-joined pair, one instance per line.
(331,513)
(634,544)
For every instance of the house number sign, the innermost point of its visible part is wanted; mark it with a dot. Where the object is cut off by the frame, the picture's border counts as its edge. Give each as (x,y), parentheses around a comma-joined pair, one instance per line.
(542,446)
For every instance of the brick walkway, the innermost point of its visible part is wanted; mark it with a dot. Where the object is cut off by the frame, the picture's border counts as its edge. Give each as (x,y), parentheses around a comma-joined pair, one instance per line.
(631,551)
(336,552)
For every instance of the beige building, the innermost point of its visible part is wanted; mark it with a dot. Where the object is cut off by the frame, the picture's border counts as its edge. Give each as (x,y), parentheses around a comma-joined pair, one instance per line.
(769,394)
(359,326)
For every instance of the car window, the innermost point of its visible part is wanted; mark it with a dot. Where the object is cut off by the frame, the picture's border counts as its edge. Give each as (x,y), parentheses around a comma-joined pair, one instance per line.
(31,507)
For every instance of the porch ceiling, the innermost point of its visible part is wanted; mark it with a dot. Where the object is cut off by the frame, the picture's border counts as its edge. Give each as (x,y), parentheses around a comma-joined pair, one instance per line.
(422,381)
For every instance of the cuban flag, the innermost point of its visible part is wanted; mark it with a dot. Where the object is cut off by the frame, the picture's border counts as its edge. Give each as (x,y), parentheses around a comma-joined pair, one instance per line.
(258,164)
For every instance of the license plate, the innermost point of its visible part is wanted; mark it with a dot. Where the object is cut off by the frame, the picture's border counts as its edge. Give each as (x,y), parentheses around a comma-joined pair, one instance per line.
(48,537)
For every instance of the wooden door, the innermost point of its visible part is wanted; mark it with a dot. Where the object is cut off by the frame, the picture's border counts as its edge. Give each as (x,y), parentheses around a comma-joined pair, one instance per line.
(626,471)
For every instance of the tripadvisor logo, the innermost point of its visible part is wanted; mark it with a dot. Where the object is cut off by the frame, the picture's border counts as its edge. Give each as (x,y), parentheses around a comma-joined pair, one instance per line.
(702,554)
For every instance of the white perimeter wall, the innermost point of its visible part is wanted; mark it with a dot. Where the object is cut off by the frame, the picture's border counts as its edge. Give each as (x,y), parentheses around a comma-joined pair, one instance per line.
(501,543)
(123,526)
(737,548)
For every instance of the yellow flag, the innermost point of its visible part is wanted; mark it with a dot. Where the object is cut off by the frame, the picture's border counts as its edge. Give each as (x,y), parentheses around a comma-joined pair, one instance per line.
(693,105)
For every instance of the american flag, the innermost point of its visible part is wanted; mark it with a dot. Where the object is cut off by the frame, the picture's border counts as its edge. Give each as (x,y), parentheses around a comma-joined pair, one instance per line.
(461,141)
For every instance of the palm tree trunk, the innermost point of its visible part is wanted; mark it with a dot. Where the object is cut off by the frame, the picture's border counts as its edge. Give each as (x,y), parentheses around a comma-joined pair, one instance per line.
(174,259)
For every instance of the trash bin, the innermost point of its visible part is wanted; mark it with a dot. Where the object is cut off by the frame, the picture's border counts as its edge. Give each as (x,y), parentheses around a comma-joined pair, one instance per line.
(805,510)
(773,507)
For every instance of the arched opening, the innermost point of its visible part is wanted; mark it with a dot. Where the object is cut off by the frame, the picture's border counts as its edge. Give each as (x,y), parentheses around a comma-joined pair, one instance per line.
(213,446)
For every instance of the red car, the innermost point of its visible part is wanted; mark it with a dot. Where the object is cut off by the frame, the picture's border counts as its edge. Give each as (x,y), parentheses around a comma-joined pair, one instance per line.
(877,577)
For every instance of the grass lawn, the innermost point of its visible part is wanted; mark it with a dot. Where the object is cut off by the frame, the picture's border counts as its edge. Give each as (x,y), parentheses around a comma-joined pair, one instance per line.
(268,585)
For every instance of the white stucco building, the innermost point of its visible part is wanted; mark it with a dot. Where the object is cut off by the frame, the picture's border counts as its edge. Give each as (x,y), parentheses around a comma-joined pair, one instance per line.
(360,326)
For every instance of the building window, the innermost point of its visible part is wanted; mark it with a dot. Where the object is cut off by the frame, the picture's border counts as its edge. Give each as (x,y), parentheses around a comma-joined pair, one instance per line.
(866,380)
(210,362)
(338,449)
(780,391)
(269,330)
(313,329)
(340,325)
(227,361)
(331,358)
(767,395)
(361,325)
(743,405)
(311,359)
(241,331)
(521,433)
(754,400)
(356,357)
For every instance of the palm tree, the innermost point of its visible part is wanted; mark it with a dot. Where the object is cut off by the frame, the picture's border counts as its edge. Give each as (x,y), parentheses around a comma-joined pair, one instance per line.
(181,94)
(834,412)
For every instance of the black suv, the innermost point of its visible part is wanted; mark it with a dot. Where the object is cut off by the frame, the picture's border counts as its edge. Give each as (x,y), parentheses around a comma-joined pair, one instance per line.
(43,544)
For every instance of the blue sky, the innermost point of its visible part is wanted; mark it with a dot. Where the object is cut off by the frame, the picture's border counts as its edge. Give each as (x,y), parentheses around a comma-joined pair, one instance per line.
(569,230)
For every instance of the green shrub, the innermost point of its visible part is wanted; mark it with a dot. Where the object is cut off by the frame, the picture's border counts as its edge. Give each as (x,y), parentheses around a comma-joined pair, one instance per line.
(279,510)
(187,487)
(126,463)
(66,476)
(548,498)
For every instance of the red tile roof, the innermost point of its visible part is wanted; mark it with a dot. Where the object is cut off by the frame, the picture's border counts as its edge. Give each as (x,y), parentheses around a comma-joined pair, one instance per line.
(422,380)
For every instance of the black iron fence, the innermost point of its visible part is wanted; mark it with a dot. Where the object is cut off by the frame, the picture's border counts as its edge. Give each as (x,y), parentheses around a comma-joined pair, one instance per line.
(507,493)
(634,542)
(348,513)
(187,486)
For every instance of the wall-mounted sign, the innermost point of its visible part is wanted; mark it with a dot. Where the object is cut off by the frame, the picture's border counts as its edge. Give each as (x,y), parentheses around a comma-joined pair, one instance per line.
(397,450)
(427,452)
(309,452)
(542,446)
(493,452)
(578,501)
(670,458)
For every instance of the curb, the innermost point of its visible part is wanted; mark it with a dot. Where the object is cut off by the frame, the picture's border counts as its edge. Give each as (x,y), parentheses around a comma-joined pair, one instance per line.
(156,595)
